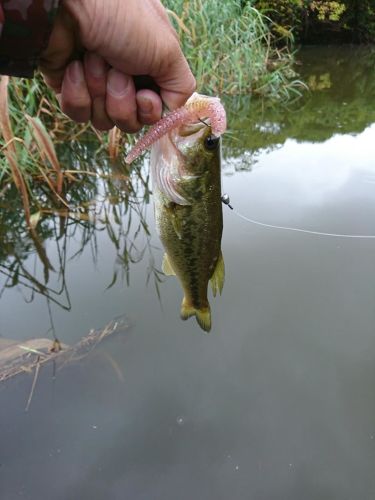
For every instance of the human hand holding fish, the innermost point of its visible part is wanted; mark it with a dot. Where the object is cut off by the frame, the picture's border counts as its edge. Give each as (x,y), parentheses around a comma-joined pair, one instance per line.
(97,51)
(186,179)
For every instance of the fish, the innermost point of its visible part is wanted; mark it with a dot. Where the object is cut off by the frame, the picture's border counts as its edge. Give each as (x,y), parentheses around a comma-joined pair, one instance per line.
(186,184)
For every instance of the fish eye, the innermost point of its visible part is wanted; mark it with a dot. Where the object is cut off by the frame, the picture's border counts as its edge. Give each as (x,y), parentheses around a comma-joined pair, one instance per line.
(211,142)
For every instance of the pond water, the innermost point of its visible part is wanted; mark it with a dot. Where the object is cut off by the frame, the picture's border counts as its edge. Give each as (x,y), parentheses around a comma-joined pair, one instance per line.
(278,401)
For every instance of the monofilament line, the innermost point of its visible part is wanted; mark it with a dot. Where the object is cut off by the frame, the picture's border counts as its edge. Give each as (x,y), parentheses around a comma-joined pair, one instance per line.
(306,231)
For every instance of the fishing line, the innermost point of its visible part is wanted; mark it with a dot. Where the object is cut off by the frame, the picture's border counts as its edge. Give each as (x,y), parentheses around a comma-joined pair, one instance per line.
(225,199)
(204,123)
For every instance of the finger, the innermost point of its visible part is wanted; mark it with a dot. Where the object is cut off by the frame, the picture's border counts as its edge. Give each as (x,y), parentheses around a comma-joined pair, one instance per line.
(176,82)
(149,106)
(99,117)
(56,56)
(53,82)
(96,79)
(121,103)
(75,97)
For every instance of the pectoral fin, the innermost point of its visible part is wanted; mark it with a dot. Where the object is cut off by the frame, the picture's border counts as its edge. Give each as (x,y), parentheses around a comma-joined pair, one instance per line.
(176,223)
(218,276)
(166,266)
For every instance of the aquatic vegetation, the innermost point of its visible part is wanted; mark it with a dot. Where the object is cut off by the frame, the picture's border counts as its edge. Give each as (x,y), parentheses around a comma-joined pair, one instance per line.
(17,358)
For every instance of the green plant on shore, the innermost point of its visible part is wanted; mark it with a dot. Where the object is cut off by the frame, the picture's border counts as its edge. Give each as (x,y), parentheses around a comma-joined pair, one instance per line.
(33,131)
(317,21)
(231,49)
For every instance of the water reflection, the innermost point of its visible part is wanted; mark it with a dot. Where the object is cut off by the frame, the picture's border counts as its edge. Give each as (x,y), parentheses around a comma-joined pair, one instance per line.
(115,204)
(278,402)
(341,89)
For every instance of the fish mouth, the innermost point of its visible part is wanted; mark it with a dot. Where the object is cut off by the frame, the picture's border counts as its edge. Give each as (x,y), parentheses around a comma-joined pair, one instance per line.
(192,128)
(189,134)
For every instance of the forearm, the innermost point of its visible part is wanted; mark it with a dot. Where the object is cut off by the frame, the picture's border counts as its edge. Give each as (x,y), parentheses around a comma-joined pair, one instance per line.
(25,27)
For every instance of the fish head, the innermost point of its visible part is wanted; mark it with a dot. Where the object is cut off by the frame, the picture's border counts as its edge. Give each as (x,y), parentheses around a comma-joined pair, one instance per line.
(197,147)
(184,160)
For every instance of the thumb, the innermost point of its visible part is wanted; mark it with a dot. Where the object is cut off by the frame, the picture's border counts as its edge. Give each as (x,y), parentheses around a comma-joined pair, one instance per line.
(59,52)
(177,83)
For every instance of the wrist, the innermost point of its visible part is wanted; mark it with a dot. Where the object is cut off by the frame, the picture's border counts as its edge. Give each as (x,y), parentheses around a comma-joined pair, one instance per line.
(82,12)
(24,37)
(95,20)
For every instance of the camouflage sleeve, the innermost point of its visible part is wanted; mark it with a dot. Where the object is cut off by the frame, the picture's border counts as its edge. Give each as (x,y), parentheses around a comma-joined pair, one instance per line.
(25,26)
(1,19)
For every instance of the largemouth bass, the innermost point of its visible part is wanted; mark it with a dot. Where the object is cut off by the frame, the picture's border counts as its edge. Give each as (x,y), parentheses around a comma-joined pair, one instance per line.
(186,176)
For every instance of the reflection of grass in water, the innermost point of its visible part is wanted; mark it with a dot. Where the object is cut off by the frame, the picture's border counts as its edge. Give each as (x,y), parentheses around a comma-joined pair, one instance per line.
(340,103)
(114,204)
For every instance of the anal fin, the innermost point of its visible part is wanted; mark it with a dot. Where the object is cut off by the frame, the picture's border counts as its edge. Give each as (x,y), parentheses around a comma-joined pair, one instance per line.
(166,266)
(218,276)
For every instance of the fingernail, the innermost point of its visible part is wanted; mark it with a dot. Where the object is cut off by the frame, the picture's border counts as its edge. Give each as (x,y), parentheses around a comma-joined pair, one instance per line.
(145,104)
(95,65)
(76,72)
(117,84)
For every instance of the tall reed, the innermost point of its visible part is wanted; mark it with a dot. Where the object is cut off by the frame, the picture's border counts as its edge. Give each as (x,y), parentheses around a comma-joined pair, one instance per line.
(231,50)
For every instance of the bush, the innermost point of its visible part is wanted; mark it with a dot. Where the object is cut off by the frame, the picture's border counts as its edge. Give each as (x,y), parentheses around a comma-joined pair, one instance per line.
(322,20)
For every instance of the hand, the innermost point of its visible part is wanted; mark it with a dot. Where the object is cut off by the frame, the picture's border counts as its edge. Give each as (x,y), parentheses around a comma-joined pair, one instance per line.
(120,39)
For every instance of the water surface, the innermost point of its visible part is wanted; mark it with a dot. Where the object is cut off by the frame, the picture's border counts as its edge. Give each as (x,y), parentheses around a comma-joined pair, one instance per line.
(278,402)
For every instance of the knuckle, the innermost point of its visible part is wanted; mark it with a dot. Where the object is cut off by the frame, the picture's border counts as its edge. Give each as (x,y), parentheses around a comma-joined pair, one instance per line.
(124,119)
(77,112)
(128,127)
(192,84)
(76,100)
(147,119)
(101,124)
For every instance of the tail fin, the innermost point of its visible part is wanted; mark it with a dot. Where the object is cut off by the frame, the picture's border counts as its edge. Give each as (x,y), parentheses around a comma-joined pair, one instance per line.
(202,315)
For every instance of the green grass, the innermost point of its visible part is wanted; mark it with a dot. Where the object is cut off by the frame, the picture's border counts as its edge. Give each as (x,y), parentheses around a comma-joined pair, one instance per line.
(43,151)
(231,50)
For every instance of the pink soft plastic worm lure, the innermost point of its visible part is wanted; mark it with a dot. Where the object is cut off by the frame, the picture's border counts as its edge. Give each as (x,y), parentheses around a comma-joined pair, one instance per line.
(196,108)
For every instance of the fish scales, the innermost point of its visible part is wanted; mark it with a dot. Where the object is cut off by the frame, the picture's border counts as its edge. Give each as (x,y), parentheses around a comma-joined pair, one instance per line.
(190,232)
